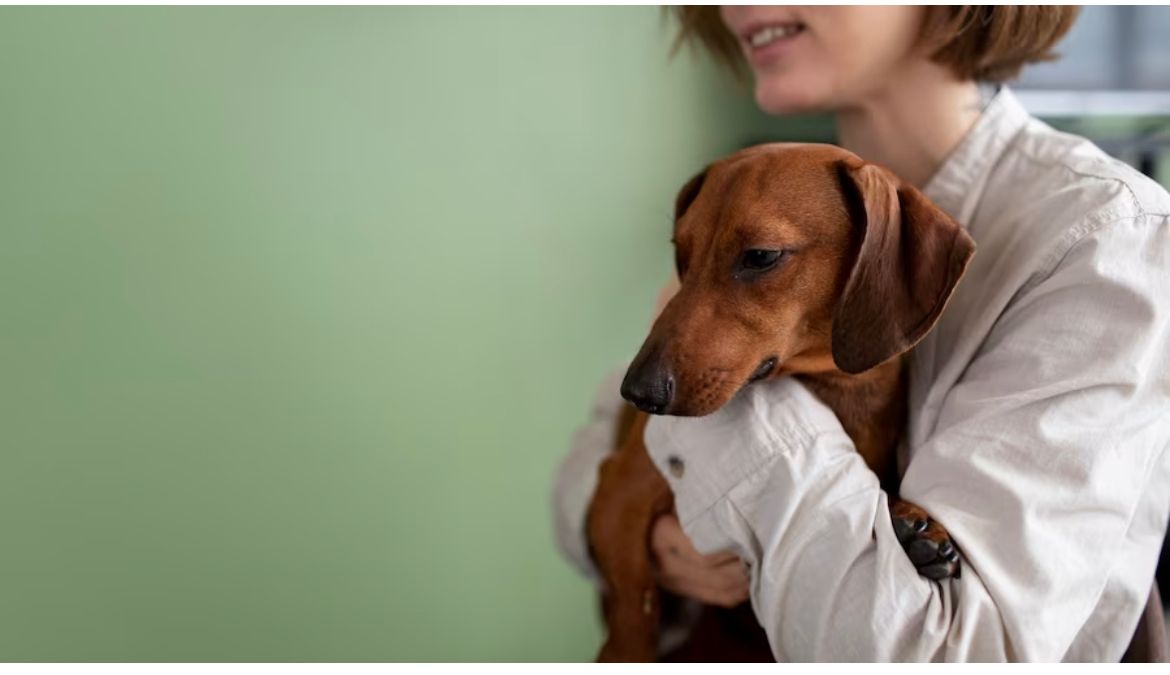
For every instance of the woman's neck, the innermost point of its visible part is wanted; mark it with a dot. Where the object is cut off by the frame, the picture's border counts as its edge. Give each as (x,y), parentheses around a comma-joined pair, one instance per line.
(911,125)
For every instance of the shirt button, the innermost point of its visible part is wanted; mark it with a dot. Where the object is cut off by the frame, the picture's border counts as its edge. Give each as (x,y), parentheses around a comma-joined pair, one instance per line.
(676,466)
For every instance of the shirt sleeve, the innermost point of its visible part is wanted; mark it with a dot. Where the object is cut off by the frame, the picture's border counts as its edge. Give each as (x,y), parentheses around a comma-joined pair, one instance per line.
(1041,454)
(576,476)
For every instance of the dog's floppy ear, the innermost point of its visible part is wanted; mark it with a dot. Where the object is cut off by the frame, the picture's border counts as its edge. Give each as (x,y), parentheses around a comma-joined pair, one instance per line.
(688,193)
(909,258)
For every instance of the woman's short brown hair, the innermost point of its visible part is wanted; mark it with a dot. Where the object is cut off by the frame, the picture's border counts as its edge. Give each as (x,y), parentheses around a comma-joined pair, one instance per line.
(979,42)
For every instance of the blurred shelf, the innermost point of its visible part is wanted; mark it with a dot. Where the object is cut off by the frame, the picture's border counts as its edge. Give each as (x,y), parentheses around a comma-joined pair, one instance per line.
(1071,103)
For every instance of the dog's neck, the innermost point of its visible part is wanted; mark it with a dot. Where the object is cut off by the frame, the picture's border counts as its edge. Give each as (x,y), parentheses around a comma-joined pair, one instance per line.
(871,407)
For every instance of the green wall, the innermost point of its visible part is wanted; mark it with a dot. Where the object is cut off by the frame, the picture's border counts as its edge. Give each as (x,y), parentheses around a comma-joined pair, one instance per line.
(299,307)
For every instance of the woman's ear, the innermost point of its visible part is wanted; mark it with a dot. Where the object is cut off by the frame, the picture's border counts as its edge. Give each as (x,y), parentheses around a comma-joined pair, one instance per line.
(909,257)
(688,193)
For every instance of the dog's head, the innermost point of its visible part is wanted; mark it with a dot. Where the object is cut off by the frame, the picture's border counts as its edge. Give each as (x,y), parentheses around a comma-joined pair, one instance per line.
(793,258)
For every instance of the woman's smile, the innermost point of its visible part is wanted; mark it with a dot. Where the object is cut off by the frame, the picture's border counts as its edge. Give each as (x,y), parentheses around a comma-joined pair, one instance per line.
(765,43)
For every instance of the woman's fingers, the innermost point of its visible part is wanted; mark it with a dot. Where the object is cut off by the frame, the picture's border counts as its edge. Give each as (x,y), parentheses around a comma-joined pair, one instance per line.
(722,558)
(667,539)
(725,586)
(717,579)
(727,578)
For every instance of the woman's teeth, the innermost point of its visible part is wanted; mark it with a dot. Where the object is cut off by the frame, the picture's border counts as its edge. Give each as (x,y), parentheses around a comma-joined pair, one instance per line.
(768,35)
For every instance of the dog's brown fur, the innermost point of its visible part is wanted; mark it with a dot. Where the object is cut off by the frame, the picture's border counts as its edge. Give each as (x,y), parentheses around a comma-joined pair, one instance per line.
(872,263)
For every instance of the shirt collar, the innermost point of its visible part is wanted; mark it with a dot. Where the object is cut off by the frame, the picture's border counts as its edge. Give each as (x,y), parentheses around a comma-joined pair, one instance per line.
(957,185)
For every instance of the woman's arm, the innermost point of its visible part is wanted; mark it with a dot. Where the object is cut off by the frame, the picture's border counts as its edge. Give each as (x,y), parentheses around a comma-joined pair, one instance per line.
(1047,454)
(576,476)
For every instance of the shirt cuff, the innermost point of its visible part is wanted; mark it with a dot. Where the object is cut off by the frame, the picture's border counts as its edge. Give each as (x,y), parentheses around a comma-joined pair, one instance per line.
(704,458)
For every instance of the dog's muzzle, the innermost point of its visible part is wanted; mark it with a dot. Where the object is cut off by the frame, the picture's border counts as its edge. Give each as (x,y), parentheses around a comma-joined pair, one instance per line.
(649,385)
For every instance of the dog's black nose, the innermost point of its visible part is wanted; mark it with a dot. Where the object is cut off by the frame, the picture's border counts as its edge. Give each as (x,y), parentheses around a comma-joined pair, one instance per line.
(649,385)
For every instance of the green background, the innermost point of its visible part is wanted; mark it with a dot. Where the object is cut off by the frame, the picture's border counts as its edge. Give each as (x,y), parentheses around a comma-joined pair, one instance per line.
(299,308)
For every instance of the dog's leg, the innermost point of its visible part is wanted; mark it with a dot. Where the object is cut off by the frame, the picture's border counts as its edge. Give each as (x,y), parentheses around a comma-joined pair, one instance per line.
(630,495)
(926,542)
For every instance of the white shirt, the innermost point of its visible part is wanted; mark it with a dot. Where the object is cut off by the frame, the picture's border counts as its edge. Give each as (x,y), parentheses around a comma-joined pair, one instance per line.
(1038,434)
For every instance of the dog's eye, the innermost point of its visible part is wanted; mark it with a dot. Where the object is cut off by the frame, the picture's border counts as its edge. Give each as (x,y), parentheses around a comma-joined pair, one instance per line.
(760,259)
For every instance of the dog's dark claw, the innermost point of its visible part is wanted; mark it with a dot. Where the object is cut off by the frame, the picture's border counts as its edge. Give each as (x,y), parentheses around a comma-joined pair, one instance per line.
(936,572)
(926,542)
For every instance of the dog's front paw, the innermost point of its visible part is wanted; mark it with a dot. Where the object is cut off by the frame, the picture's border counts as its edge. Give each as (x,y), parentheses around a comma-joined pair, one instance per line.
(925,541)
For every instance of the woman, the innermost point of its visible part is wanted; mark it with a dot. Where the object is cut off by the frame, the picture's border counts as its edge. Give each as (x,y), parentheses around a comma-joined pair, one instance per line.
(1039,422)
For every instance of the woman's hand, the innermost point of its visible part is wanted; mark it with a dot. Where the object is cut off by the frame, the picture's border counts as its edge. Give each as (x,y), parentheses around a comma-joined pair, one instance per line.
(718,579)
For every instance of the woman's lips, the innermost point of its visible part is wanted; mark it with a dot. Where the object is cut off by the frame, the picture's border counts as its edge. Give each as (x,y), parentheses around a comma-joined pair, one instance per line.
(765,42)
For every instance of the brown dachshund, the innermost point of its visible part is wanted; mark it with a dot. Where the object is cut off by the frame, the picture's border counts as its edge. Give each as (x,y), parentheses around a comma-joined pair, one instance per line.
(794,259)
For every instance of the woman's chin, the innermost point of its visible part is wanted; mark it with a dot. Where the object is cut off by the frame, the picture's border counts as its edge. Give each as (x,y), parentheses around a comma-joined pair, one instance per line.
(786,99)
